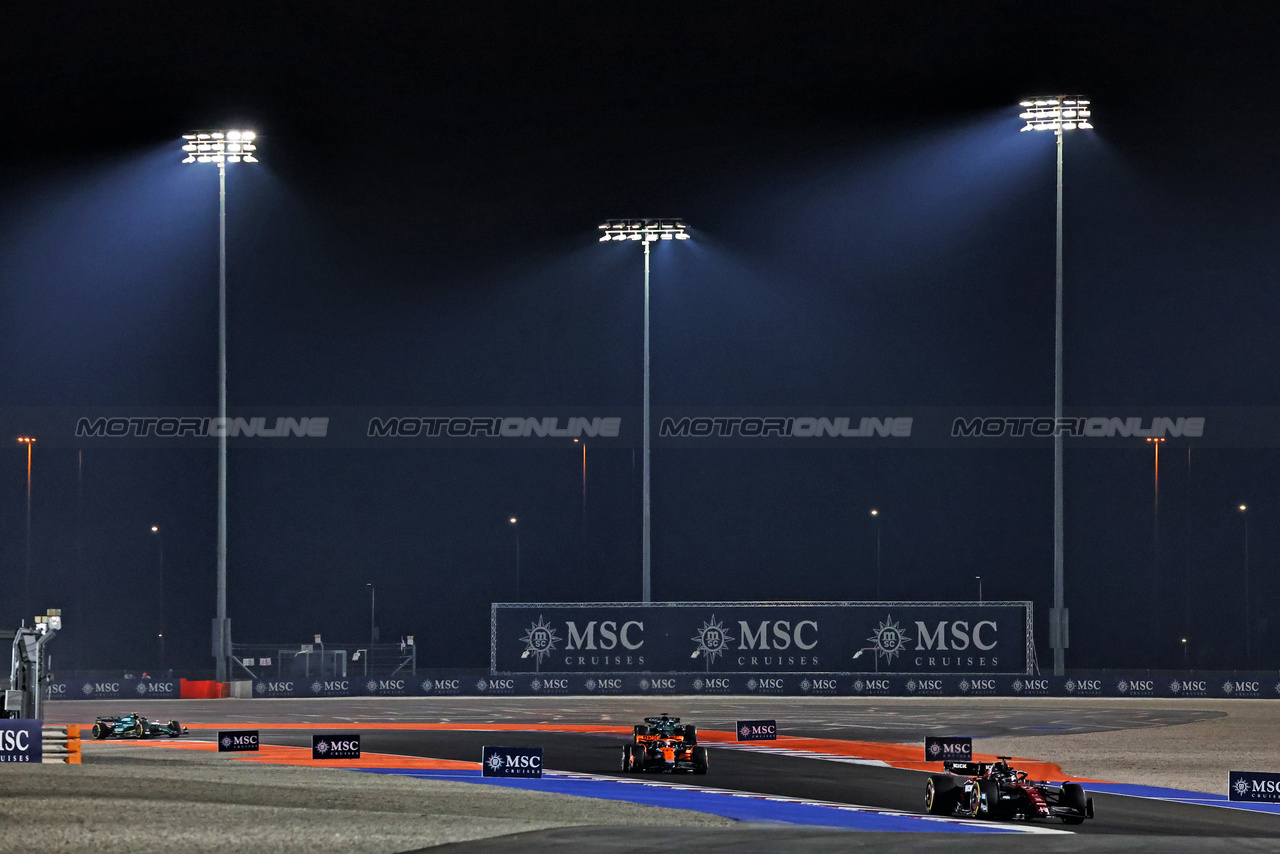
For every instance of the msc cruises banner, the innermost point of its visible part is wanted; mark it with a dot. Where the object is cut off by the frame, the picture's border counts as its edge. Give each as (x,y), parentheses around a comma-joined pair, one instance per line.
(1191,685)
(762,637)
(126,687)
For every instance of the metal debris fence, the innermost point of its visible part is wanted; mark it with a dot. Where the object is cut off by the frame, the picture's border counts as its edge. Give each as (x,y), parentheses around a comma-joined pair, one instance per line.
(323,660)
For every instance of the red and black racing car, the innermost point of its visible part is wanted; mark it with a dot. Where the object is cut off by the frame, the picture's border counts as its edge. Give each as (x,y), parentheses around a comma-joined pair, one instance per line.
(994,790)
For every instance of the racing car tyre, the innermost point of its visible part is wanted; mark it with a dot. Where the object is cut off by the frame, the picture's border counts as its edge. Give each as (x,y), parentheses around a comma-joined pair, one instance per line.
(941,794)
(176,729)
(140,729)
(101,730)
(691,734)
(626,757)
(1073,796)
(699,759)
(989,792)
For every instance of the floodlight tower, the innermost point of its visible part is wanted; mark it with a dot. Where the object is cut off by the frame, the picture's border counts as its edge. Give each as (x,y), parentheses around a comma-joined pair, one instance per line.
(221,148)
(1058,113)
(646,231)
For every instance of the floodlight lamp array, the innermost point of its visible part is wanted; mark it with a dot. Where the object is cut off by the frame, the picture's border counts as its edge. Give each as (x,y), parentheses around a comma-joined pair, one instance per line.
(232,146)
(648,230)
(1056,113)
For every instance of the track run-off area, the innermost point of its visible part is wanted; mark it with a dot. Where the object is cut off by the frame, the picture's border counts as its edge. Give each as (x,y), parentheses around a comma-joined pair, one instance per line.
(843,771)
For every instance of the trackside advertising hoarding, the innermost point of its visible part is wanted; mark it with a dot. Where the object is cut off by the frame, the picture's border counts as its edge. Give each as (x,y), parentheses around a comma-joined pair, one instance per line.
(762,637)
(21,740)
(511,761)
(941,748)
(1189,685)
(1257,786)
(114,688)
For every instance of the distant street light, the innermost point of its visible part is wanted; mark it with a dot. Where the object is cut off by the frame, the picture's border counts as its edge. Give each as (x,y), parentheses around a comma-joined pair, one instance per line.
(373,613)
(155,529)
(1248,629)
(875,658)
(875,514)
(515,526)
(1058,113)
(1155,538)
(584,496)
(647,231)
(1185,655)
(29,441)
(979,577)
(221,148)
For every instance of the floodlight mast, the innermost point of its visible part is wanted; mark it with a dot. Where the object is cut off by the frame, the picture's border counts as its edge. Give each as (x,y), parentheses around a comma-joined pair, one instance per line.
(1058,113)
(221,148)
(647,231)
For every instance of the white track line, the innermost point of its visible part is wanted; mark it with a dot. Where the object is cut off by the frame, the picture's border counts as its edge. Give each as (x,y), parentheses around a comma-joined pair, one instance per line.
(986,825)
(803,754)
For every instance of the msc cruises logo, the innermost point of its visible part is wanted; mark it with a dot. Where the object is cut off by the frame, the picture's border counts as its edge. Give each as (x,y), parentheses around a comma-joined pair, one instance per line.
(539,640)
(1083,686)
(345,746)
(511,761)
(889,640)
(712,639)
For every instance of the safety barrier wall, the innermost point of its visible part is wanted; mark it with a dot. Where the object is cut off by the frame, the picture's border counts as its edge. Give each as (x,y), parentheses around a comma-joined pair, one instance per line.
(1109,683)
(60,744)
(114,688)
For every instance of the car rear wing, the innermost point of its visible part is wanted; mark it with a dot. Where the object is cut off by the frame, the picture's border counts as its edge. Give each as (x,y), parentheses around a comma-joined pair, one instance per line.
(966,769)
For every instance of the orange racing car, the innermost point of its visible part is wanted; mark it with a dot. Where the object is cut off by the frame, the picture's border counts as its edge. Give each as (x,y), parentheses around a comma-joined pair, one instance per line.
(664,744)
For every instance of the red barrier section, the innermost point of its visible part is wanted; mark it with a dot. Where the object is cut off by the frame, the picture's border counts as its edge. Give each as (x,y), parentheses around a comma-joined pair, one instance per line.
(200,689)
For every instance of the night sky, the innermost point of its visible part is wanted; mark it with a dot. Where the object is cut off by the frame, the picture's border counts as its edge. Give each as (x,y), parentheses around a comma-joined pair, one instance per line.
(870,230)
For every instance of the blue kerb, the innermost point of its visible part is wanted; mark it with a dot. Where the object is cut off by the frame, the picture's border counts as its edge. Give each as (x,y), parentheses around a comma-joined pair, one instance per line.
(740,808)
(1180,796)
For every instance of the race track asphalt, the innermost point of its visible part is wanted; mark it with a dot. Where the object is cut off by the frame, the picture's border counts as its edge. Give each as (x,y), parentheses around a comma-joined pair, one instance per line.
(810,779)
(1123,823)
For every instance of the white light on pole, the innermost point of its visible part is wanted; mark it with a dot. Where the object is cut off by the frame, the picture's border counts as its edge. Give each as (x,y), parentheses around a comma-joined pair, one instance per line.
(646,231)
(155,529)
(1057,113)
(875,514)
(29,441)
(1248,641)
(221,148)
(515,526)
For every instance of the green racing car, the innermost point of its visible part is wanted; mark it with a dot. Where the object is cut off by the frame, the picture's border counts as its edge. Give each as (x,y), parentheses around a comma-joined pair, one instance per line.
(135,726)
